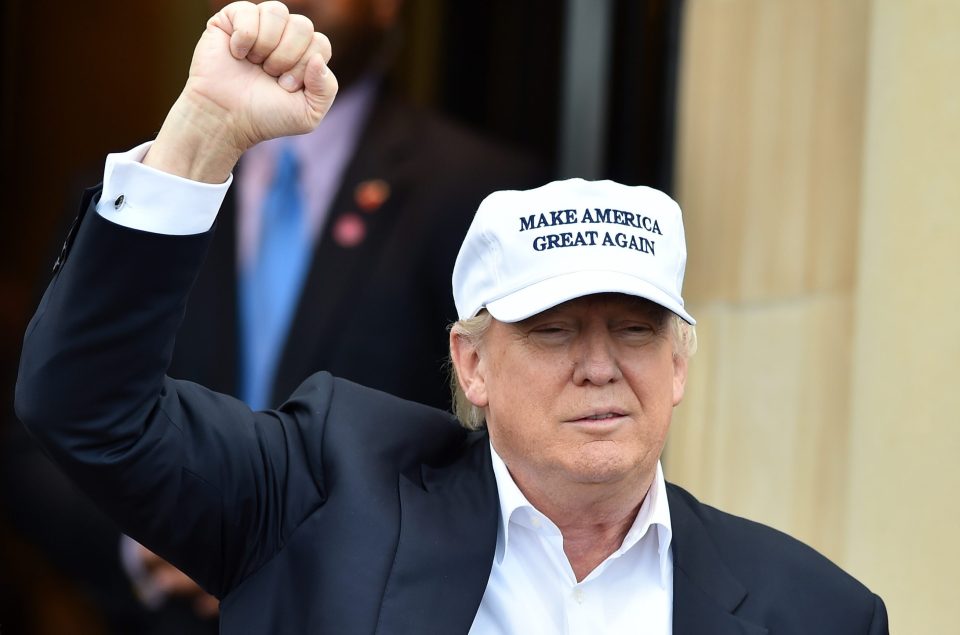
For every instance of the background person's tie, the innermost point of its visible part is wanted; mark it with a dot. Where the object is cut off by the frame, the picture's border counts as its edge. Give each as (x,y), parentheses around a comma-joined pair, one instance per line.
(270,288)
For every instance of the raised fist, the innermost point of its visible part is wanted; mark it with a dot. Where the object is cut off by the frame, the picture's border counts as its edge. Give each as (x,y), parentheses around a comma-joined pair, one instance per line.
(258,72)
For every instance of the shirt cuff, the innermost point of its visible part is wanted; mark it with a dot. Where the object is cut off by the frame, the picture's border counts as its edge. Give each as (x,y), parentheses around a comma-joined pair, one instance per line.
(141,197)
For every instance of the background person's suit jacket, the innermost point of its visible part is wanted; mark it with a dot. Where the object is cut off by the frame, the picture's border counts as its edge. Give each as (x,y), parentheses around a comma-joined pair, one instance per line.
(348,510)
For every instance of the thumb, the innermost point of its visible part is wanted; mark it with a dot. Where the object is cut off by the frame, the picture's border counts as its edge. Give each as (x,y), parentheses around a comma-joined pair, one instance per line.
(319,86)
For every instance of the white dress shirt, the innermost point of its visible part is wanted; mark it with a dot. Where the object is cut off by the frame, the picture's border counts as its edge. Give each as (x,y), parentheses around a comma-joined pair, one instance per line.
(532,588)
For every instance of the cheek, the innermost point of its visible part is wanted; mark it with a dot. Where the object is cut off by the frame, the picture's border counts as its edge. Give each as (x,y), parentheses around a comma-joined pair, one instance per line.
(520,404)
(656,385)
(509,401)
(525,390)
(504,378)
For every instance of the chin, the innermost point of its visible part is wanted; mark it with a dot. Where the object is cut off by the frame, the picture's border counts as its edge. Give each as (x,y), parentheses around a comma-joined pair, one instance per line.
(600,465)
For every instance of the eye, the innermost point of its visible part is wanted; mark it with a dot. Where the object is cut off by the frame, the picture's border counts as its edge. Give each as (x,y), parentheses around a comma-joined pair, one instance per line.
(550,332)
(550,329)
(637,330)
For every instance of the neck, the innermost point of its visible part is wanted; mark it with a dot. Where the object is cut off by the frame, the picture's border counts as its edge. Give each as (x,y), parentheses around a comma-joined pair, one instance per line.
(593,518)
(586,545)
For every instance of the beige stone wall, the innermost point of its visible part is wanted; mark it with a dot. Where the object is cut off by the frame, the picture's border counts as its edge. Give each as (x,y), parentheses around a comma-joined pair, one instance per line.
(819,171)
(903,521)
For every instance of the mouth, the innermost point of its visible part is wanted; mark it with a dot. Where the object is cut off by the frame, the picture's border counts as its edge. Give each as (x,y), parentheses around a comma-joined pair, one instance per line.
(599,417)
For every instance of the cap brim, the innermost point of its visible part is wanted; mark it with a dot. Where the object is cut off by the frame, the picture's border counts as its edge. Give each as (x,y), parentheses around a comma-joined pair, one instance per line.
(548,293)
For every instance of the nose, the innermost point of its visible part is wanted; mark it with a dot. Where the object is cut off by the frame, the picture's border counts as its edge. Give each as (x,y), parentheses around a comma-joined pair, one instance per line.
(595,361)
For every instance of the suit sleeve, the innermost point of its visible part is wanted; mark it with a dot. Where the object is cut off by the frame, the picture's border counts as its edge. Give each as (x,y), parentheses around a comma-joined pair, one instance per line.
(879,625)
(192,474)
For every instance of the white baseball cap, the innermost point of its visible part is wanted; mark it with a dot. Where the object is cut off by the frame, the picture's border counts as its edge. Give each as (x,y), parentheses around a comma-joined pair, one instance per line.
(527,251)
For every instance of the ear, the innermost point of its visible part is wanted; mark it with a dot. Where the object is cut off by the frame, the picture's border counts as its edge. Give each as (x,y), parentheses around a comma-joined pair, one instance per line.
(470,371)
(679,378)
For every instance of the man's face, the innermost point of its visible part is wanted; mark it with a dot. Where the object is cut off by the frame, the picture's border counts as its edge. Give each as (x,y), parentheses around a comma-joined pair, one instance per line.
(582,393)
(356,29)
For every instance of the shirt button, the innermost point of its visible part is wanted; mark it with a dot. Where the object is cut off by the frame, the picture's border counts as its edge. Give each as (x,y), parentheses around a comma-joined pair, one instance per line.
(535,521)
(118,202)
(578,595)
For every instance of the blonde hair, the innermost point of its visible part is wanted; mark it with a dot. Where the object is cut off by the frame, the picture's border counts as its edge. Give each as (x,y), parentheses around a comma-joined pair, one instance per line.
(471,417)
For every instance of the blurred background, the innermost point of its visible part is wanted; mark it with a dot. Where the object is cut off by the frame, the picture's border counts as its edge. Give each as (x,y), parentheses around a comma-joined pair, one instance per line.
(814,146)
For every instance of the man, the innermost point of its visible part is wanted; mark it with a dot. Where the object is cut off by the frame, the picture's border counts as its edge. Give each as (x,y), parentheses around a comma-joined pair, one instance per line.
(351,511)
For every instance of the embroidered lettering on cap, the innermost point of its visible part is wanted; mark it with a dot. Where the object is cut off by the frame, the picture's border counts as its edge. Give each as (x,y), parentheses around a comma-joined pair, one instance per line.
(548,219)
(620,217)
(637,243)
(565,239)
(597,215)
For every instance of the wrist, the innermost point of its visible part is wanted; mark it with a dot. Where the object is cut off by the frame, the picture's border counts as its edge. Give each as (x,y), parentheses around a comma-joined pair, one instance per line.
(196,142)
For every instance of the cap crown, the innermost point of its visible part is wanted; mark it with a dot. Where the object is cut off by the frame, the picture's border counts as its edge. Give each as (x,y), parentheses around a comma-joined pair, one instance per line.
(527,251)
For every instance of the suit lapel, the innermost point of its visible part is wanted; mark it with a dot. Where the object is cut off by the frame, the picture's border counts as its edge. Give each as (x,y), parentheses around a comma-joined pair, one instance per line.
(448,534)
(336,268)
(706,594)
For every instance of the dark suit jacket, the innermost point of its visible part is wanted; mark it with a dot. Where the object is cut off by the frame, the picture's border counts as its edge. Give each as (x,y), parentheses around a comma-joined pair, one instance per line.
(347,510)
(375,313)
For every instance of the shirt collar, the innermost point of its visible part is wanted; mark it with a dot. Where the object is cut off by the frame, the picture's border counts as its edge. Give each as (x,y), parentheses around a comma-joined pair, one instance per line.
(654,512)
